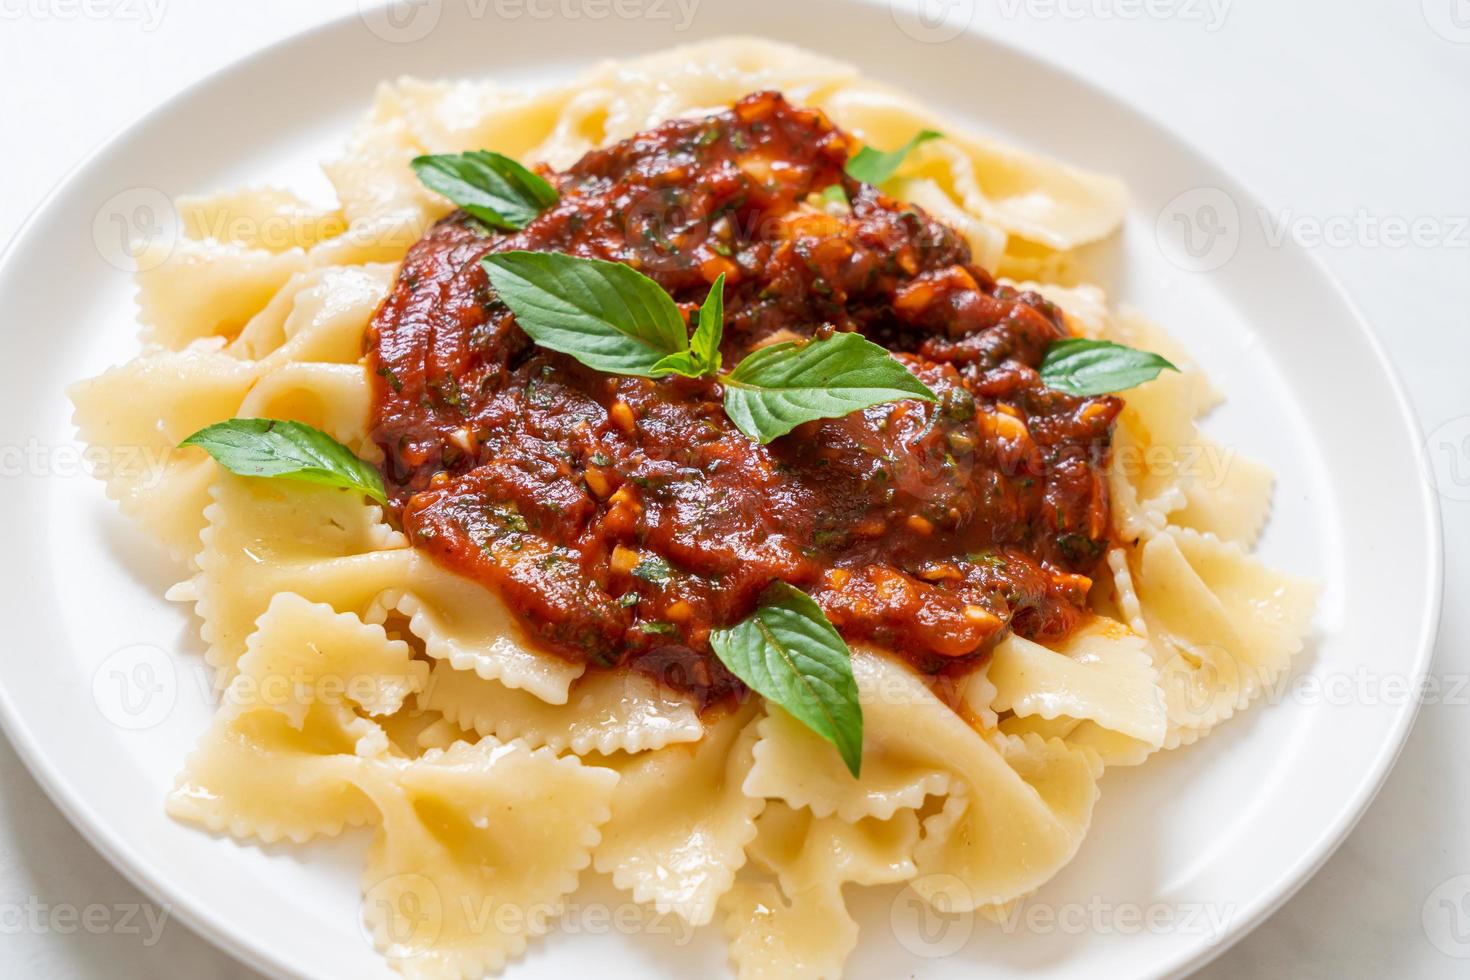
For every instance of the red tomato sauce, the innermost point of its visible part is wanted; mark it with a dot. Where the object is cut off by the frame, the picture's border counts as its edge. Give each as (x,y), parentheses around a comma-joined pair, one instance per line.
(623,519)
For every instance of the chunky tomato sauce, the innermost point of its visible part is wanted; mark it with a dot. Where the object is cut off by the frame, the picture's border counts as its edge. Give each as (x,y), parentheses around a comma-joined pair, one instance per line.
(623,518)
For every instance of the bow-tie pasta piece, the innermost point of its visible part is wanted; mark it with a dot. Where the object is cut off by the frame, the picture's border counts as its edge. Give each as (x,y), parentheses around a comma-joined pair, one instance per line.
(312,332)
(190,290)
(458,117)
(373,177)
(680,820)
(470,627)
(1015,819)
(478,848)
(1222,625)
(791,762)
(1164,470)
(1102,673)
(278,759)
(268,217)
(645,91)
(606,711)
(335,398)
(319,315)
(164,488)
(303,654)
(799,928)
(1025,196)
(1015,813)
(269,536)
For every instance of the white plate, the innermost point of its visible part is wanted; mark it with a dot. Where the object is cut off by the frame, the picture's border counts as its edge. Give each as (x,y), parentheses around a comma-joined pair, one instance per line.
(103,691)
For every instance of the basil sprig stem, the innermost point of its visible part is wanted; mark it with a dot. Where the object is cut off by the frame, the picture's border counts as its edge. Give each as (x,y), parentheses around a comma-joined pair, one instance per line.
(613,318)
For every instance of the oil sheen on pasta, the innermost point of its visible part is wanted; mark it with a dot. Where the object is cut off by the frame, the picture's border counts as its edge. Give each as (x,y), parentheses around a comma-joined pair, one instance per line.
(624,518)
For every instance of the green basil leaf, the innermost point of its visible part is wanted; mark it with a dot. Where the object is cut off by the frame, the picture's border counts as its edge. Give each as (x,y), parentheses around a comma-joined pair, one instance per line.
(779,387)
(788,652)
(1079,366)
(608,316)
(492,187)
(703,355)
(875,166)
(705,344)
(837,195)
(289,451)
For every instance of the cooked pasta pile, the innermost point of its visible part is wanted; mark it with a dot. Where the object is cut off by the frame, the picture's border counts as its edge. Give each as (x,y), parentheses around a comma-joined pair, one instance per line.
(366,686)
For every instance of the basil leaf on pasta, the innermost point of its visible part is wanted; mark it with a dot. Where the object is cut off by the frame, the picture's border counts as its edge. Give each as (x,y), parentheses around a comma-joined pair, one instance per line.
(492,187)
(875,166)
(789,653)
(287,451)
(609,316)
(1079,366)
(779,387)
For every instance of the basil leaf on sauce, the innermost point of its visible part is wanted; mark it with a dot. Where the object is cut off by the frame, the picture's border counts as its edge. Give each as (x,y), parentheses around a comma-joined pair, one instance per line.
(492,187)
(608,316)
(705,344)
(288,451)
(779,387)
(789,653)
(1079,366)
(703,355)
(875,166)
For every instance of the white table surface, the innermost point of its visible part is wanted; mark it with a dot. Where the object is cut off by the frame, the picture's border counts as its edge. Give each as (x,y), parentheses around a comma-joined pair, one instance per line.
(1348,118)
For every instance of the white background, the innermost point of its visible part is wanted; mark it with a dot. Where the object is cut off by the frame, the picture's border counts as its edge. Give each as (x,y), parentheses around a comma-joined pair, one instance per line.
(1350,118)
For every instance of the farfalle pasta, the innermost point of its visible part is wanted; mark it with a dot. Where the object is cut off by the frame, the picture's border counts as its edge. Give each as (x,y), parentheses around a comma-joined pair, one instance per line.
(505,719)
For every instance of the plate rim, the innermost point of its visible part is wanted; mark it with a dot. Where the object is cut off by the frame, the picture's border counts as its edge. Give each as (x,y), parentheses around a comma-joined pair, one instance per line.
(62,790)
